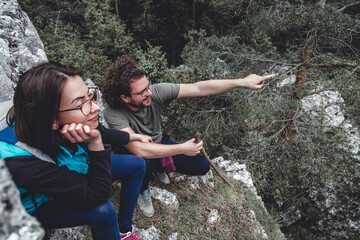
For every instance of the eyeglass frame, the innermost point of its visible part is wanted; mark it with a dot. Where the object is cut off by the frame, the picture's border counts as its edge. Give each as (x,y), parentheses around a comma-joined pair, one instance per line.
(93,97)
(142,92)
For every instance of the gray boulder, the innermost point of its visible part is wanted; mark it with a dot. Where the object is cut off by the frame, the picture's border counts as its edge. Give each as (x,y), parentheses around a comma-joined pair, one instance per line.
(20,49)
(15,223)
(20,46)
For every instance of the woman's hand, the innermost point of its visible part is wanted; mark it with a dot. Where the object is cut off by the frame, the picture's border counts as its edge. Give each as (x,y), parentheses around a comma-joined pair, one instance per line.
(77,133)
(141,138)
(190,148)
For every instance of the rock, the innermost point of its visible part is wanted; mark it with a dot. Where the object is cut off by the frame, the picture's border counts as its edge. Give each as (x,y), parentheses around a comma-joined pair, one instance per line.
(20,49)
(74,233)
(207,179)
(4,108)
(164,196)
(20,46)
(213,216)
(150,233)
(237,172)
(258,230)
(15,223)
(339,213)
(287,81)
(173,236)
(99,102)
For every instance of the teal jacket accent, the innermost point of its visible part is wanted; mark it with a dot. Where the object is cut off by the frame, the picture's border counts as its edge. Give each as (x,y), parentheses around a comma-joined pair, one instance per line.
(10,147)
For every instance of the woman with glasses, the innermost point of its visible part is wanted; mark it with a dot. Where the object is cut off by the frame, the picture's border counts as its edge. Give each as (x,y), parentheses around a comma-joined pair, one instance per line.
(54,149)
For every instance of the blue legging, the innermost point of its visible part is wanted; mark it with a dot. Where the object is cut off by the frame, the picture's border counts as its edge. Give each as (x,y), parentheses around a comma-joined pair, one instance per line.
(102,219)
(190,165)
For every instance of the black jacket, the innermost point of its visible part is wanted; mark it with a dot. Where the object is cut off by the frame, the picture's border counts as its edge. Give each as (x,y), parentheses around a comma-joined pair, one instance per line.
(63,184)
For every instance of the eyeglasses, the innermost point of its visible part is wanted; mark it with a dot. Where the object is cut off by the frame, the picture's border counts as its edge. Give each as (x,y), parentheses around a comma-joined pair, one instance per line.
(143,92)
(86,106)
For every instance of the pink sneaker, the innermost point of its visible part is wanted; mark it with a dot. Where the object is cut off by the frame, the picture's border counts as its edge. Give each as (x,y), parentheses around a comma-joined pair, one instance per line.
(133,235)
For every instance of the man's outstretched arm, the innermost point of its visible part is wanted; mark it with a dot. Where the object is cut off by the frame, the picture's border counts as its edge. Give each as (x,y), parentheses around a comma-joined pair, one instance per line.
(155,150)
(212,87)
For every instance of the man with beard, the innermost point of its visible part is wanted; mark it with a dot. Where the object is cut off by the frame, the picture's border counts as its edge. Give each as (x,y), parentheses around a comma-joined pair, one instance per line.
(135,107)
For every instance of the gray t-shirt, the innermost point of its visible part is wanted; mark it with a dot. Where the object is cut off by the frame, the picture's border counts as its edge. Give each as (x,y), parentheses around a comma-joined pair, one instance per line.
(147,120)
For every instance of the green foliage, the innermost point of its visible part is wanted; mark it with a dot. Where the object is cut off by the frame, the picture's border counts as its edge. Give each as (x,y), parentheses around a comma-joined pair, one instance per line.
(154,64)
(209,60)
(89,37)
(291,156)
(290,24)
(160,22)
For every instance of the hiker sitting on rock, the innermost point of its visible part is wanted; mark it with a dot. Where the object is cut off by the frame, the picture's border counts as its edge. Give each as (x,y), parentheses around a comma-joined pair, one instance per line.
(54,150)
(135,107)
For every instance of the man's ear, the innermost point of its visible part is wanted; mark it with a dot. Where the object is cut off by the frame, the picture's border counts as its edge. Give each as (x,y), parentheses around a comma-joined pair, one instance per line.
(124,98)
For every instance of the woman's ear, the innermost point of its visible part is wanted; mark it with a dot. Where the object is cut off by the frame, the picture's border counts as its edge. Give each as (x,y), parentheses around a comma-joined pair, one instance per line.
(55,126)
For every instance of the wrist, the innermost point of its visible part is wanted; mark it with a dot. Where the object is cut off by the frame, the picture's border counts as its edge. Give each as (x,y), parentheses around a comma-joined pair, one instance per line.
(241,82)
(181,148)
(95,145)
(134,137)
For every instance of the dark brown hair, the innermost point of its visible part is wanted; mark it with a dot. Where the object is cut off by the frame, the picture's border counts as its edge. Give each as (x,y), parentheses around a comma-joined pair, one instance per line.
(36,102)
(117,81)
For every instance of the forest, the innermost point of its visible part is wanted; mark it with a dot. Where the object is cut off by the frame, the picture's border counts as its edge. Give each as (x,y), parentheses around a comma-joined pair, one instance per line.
(302,165)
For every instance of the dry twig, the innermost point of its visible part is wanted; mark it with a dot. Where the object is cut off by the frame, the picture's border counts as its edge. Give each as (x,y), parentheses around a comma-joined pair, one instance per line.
(203,152)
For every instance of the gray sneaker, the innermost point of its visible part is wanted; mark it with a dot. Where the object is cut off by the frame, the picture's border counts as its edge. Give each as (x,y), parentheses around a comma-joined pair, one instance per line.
(144,203)
(162,177)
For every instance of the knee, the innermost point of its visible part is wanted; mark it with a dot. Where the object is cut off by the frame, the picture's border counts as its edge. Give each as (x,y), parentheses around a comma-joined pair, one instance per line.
(203,167)
(105,214)
(139,165)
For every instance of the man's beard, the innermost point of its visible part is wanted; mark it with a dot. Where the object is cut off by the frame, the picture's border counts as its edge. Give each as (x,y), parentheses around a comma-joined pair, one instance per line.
(134,104)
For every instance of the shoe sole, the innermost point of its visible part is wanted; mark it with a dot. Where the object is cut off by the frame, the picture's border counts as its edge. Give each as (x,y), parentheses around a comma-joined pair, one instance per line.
(162,181)
(146,215)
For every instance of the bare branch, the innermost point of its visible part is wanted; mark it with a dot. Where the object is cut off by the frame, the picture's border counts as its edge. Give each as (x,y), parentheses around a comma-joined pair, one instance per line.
(322,90)
(296,65)
(343,42)
(269,61)
(350,5)
(342,64)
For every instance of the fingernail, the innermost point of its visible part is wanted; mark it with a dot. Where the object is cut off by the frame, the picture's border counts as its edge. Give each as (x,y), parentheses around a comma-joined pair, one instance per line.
(86,129)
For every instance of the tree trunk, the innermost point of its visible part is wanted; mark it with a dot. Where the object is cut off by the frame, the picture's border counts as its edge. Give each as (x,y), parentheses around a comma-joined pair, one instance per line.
(193,13)
(302,74)
(117,9)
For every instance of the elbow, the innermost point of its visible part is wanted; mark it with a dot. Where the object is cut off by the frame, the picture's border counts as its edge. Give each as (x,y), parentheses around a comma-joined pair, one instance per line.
(97,198)
(142,154)
(139,151)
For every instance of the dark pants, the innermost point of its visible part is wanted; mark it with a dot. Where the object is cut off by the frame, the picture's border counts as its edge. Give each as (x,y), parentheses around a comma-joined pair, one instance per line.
(190,165)
(102,219)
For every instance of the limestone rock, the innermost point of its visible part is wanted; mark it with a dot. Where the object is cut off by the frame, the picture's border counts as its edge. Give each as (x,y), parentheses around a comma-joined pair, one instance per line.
(20,49)
(15,223)
(213,216)
(237,172)
(150,233)
(195,181)
(20,46)
(164,196)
